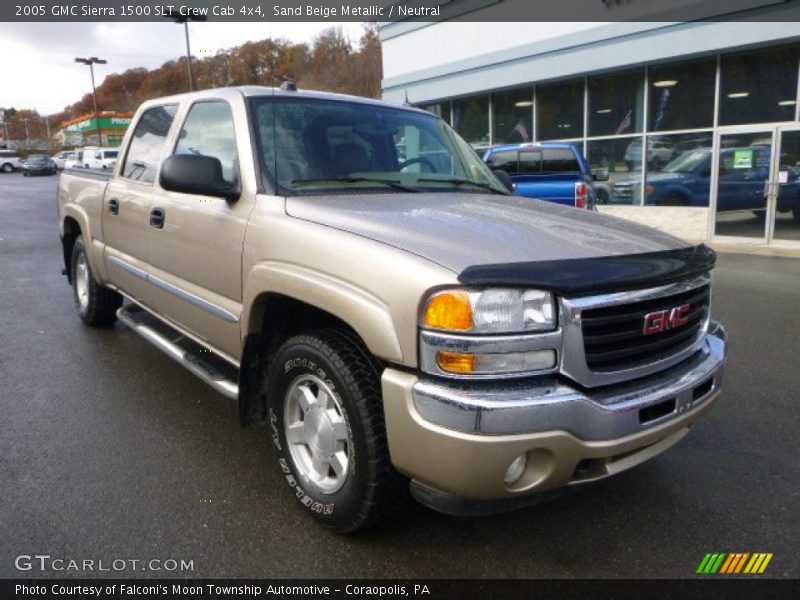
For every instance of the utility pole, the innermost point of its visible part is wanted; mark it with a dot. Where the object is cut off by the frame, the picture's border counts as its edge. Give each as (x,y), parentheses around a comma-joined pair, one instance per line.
(27,137)
(92,61)
(175,15)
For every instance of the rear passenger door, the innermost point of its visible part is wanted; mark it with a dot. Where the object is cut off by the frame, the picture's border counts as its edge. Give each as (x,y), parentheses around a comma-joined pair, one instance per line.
(127,204)
(196,255)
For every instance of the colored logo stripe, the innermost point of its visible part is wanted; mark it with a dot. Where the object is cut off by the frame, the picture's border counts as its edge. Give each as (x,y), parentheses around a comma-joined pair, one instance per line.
(758,563)
(724,563)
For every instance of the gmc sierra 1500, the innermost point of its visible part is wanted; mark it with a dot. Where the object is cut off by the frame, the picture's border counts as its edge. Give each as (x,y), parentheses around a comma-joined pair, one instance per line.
(360,282)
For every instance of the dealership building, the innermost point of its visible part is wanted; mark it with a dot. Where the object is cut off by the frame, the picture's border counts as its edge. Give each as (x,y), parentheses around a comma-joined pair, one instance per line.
(696,122)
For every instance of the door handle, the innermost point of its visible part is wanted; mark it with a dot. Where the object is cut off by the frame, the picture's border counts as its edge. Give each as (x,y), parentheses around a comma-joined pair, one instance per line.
(113,206)
(157,218)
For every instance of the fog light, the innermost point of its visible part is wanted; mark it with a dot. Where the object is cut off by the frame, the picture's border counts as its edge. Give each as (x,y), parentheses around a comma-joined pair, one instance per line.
(516,470)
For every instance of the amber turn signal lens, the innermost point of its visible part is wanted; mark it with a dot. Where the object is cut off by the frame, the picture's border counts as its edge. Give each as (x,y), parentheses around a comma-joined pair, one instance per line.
(449,310)
(456,362)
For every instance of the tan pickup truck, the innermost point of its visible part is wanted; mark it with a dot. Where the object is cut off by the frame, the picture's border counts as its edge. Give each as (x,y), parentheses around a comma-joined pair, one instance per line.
(368,290)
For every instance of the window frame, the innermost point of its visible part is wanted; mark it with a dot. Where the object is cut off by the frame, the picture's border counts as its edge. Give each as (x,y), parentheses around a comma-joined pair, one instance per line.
(122,163)
(187,110)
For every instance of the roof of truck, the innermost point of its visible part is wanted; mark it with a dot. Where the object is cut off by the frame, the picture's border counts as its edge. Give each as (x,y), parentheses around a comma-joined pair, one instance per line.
(252,91)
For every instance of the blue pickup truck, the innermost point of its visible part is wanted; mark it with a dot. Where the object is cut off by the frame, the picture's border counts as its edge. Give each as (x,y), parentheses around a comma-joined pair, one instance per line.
(552,171)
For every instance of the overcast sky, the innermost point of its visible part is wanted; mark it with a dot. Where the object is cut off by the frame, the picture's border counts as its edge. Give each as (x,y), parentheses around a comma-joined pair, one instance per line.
(38,69)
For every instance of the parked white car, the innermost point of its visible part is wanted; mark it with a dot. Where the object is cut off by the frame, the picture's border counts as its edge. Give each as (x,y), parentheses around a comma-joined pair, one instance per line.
(99,158)
(75,160)
(9,161)
(61,158)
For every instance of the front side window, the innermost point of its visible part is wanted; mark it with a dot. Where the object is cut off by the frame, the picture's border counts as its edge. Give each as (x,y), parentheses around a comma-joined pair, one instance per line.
(147,143)
(310,146)
(208,131)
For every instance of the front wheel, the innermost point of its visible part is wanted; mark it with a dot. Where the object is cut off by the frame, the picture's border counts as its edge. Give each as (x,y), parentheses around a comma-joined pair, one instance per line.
(7,168)
(326,416)
(96,305)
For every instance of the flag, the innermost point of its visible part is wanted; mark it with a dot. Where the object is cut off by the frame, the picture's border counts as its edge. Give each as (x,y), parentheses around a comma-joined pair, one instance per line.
(625,123)
(662,108)
(522,130)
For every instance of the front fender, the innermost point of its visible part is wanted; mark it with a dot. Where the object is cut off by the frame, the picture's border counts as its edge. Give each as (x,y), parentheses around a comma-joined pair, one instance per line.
(368,315)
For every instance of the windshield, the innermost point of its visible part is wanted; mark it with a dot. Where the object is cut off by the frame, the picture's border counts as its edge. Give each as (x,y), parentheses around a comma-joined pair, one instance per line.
(313,146)
(688,162)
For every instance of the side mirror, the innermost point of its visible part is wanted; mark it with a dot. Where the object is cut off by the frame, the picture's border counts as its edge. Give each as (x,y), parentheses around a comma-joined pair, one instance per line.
(600,174)
(194,174)
(504,178)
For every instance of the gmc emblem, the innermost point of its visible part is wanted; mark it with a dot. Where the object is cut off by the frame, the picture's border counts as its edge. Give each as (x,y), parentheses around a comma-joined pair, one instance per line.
(664,320)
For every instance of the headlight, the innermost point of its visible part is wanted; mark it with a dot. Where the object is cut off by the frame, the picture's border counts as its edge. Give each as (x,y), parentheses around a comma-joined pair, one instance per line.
(494,310)
(495,332)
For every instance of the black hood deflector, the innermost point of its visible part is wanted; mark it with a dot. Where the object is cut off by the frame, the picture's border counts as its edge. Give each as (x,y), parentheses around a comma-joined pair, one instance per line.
(600,275)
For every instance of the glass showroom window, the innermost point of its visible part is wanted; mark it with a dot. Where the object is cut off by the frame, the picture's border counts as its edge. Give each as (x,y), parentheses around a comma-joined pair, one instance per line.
(471,120)
(616,104)
(678,169)
(622,157)
(512,114)
(759,87)
(682,95)
(440,109)
(559,110)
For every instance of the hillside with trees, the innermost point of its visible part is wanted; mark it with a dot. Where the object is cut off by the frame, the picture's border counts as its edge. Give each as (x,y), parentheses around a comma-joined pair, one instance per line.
(331,62)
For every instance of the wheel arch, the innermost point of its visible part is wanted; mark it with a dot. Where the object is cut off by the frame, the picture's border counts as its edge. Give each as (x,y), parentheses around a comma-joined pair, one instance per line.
(71,229)
(274,318)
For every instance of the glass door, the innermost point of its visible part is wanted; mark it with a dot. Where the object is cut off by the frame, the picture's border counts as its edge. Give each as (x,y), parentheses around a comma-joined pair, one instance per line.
(743,183)
(784,213)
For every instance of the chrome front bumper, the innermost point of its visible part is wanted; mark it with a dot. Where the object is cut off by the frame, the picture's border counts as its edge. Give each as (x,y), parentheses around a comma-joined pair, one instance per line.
(547,404)
(456,442)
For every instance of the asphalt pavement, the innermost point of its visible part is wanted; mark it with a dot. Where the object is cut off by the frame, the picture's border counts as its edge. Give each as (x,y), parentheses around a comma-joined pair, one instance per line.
(109,450)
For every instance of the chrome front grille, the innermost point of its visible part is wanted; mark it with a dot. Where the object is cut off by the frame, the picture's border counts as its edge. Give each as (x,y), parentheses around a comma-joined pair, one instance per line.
(614,338)
(604,340)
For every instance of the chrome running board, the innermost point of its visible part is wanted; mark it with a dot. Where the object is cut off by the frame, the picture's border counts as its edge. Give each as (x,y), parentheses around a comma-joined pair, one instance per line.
(213,370)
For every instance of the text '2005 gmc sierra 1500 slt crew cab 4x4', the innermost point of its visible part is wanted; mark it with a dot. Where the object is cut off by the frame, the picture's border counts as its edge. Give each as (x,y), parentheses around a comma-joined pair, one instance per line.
(396,320)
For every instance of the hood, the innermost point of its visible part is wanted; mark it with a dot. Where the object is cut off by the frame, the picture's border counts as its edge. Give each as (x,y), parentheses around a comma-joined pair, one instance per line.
(458,230)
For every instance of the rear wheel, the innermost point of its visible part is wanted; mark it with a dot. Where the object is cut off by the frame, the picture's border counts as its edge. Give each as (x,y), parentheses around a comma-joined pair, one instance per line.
(96,305)
(326,416)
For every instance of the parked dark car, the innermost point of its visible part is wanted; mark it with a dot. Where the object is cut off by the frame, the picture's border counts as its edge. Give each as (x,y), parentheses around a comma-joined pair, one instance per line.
(39,164)
(552,171)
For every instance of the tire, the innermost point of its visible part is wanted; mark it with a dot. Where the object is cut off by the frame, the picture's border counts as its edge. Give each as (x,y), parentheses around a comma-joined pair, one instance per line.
(323,388)
(96,305)
(7,168)
(796,213)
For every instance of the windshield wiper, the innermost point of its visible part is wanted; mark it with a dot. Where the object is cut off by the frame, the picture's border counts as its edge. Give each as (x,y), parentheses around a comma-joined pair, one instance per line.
(458,181)
(387,182)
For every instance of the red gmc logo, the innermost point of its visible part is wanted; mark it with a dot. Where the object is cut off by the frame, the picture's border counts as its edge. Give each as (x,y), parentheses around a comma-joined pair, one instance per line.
(664,320)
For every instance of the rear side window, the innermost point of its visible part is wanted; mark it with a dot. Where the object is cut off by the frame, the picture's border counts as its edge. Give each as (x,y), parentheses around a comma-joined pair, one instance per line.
(559,160)
(505,160)
(208,131)
(112,154)
(147,143)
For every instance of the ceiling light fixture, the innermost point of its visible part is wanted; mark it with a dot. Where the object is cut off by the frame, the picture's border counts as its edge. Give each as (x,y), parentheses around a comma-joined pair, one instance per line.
(524,103)
(738,94)
(665,83)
